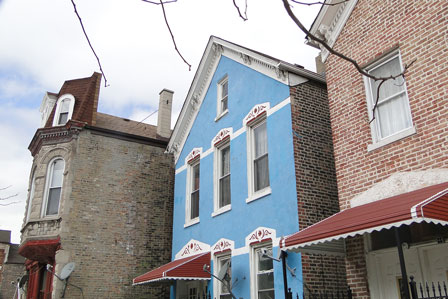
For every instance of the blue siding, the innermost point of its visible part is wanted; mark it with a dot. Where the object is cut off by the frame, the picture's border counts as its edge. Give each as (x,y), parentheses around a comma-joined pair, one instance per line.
(277,210)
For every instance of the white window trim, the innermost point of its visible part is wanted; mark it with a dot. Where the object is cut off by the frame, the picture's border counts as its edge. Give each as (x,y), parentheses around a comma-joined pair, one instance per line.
(216,261)
(253,273)
(378,142)
(31,195)
(191,164)
(58,108)
(47,189)
(219,112)
(252,195)
(216,176)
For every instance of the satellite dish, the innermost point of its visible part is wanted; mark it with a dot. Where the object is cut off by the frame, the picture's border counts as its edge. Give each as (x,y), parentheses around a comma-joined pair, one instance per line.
(23,280)
(67,270)
(223,271)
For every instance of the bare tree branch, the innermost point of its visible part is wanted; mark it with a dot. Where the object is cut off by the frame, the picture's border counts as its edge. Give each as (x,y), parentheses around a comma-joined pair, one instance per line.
(242,15)
(158,3)
(9,196)
(172,36)
(321,3)
(8,204)
(91,47)
(168,26)
(342,56)
(4,188)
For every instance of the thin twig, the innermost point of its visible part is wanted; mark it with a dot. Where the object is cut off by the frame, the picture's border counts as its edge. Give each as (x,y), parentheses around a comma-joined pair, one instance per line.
(91,47)
(4,188)
(172,36)
(152,113)
(321,3)
(158,3)
(8,197)
(8,204)
(244,17)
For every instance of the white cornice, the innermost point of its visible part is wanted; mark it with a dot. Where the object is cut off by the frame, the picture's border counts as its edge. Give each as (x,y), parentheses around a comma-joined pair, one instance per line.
(216,48)
(329,23)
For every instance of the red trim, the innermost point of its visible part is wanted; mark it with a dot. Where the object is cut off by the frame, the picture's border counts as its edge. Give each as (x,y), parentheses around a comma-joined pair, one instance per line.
(40,250)
(222,252)
(186,268)
(222,140)
(429,202)
(257,117)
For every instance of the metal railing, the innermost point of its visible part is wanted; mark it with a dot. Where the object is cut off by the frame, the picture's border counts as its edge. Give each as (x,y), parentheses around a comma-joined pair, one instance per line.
(428,290)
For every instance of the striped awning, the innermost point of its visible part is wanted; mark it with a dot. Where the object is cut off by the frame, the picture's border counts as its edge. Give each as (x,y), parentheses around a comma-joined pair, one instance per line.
(189,268)
(428,204)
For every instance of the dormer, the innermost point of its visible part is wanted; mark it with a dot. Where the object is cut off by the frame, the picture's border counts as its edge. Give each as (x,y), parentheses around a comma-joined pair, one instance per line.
(64,109)
(46,107)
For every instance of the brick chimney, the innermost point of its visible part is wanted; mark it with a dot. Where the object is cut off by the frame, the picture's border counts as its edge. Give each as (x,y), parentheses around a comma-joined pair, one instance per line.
(164,114)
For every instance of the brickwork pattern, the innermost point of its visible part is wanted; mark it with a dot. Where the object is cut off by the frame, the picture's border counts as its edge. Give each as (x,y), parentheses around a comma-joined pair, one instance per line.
(418,28)
(317,196)
(8,284)
(120,218)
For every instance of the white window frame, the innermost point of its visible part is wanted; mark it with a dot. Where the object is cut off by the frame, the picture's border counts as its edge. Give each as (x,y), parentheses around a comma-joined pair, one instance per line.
(217,261)
(31,195)
(59,107)
(252,194)
(220,112)
(217,178)
(47,187)
(377,139)
(190,176)
(254,267)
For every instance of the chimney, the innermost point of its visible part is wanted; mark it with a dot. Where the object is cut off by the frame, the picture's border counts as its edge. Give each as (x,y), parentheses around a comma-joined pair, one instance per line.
(164,114)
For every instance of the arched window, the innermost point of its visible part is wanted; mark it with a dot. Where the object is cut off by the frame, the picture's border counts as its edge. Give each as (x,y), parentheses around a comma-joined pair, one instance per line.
(64,110)
(54,187)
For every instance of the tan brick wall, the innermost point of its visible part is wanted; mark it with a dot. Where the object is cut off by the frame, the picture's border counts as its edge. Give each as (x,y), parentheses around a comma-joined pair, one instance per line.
(120,218)
(8,284)
(418,28)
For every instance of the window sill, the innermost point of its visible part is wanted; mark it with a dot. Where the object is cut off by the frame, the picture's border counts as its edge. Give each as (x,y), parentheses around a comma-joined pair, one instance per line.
(191,222)
(222,114)
(259,194)
(222,210)
(391,139)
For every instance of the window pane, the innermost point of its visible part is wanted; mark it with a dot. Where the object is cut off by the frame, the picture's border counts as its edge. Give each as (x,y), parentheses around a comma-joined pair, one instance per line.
(389,87)
(57,170)
(224,104)
(260,140)
(224,89)
(65,106)
(53,201)
(195,185)
(393,116)
(261,173)
(222,263)
(63,117)
(224,191)
(225,161)
(265,263)
(265,281)
(266,295)
(194,205)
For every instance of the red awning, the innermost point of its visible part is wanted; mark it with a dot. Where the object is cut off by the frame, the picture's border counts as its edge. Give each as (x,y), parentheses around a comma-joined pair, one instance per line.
(429,204)
(40,250)
(189,268)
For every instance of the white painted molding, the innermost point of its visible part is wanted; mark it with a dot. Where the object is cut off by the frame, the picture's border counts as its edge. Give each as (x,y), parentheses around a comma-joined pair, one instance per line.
(261,234)
(193,247)
(223,245)
(255,112)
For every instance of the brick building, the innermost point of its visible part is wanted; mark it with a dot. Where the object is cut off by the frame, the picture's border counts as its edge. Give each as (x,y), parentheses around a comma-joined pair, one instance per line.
(391,161)
(12,266)
(100,196)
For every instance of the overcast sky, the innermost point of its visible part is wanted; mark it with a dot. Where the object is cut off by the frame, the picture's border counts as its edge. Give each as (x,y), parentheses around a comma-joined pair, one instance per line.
(42,45)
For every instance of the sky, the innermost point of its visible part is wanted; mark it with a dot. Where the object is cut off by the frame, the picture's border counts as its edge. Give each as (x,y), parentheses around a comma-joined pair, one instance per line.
(42,45)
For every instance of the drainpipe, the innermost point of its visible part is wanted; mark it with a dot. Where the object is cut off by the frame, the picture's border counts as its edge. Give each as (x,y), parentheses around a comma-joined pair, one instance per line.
(404,276)
(285,279)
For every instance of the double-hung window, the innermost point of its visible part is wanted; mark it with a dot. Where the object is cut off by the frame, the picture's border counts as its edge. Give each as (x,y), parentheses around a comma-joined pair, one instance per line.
(223,261)
(263,272)
(64,110)
(192,211)
(224,176)
(54,187)
(392,114)
(223,97)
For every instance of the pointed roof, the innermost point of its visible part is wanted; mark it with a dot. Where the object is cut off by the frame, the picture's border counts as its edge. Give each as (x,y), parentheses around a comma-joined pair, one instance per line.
(274,68)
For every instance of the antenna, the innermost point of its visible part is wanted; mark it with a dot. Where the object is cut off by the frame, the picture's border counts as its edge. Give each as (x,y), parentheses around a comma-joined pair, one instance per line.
(67,270)
(223,272)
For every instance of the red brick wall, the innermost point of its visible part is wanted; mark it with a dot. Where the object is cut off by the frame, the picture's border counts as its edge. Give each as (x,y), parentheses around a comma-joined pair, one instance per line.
(418,28)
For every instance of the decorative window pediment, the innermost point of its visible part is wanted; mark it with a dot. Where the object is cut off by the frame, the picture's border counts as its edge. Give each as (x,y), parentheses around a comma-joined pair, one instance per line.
(193,247)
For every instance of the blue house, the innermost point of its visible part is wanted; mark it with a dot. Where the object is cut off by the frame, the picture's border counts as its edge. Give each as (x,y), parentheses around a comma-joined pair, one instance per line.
(248,123)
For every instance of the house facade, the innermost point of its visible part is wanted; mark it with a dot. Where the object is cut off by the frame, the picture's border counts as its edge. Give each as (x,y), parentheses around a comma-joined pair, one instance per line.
(12,266)
(390,150)
(100,197)
(253,159)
